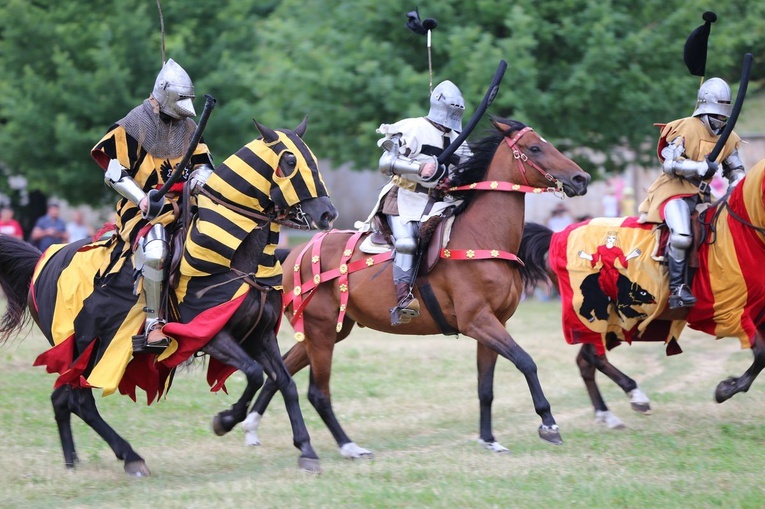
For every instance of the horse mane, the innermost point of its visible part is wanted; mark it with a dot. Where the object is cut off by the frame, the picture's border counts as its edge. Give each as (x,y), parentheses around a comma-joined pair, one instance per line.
(474,169)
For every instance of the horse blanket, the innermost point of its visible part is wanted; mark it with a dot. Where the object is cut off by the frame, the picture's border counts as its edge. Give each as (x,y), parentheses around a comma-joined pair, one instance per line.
(613,284)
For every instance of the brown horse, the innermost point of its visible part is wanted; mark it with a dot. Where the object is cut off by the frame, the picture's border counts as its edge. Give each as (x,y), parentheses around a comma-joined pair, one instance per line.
(476,283)
(729,284)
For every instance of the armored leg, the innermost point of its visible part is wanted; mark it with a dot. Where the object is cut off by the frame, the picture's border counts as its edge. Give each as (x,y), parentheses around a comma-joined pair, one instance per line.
(405,235)
(151,255)
(678,217)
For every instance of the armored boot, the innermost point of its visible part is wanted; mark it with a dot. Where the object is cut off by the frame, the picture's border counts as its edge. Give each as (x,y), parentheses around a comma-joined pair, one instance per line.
(680,291)
(408,306)
(150,257)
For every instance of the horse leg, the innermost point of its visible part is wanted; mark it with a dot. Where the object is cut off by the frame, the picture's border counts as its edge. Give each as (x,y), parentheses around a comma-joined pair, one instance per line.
(638,399)
(733,385)
(83,405)
(271,358)
(585,361)
(488,330)
(225,349)
(60,400)
(487,360)
(294,360)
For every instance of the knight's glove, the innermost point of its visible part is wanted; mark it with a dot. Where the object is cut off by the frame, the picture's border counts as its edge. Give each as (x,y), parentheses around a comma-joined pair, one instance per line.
(154,204)
(198,178)
(437,175)
(735,177)
(707,169)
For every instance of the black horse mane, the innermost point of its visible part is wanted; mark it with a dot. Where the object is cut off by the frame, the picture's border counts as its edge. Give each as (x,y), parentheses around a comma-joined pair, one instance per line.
(474,169)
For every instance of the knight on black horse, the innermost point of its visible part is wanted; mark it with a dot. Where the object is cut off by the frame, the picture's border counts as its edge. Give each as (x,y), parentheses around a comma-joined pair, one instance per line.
(105,305)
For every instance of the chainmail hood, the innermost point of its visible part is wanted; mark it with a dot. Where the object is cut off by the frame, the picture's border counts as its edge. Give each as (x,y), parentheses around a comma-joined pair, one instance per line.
(164,140)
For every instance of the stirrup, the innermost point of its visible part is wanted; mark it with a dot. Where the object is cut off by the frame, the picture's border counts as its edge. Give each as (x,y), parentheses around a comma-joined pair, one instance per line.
(682,297)
(405,311)
(142,343)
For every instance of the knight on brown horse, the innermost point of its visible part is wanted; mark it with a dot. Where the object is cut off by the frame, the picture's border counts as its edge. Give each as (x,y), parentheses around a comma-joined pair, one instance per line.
(411,197)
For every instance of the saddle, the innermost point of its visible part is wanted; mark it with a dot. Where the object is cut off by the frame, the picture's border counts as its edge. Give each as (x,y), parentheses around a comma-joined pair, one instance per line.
(433,235)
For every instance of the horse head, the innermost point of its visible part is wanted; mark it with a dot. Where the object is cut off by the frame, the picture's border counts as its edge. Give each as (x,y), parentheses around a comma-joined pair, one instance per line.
(537,163)
(296,188)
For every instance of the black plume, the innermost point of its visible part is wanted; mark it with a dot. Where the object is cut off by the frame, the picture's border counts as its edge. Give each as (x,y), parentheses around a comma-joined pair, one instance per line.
(695,50)
(414,24)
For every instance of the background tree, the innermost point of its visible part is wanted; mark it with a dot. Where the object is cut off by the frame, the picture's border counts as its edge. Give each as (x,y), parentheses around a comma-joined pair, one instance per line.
(584,73)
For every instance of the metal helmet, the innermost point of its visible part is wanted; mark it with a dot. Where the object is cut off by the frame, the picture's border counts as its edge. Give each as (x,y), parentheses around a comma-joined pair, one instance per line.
(174,91)
(713,105)
(447,106)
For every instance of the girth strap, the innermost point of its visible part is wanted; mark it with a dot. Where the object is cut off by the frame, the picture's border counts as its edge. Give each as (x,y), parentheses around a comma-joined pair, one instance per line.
(431,302)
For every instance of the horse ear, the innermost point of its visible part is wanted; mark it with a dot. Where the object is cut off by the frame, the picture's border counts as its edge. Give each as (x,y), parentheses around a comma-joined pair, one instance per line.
(269,135)
(300,130)
(499,126)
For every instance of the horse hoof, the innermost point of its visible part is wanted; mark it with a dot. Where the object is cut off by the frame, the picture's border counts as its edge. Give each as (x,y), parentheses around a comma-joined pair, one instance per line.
(137,469)
(352,451)
(725,390)
(609,419)
(550,434)
(218,427)
(493,446)
(643,408)
(310,465)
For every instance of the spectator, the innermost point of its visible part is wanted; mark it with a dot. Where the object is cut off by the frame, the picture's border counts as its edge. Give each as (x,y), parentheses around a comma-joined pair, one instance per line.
(8,225)
(77,229)
(49,229)
(610,203)
(560,218)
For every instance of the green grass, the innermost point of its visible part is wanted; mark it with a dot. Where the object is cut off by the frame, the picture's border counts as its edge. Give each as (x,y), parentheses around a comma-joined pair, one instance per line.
(411,400)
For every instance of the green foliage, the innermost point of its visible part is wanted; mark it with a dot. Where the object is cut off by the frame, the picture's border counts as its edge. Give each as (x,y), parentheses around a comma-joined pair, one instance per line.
(583,73)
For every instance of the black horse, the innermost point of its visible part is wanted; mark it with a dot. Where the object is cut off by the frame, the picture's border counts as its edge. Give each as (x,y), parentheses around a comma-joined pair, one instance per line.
(247,341)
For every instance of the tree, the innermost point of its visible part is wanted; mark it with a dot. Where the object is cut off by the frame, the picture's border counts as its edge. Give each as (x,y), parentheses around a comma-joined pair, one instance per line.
(583,73)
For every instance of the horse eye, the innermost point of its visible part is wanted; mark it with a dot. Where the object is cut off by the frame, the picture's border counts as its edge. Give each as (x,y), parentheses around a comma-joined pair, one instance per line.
(288,164)
(535,148)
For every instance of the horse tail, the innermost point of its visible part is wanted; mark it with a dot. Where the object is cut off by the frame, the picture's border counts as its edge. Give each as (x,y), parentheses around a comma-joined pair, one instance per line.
(535,244)
(281,254)
(17,265)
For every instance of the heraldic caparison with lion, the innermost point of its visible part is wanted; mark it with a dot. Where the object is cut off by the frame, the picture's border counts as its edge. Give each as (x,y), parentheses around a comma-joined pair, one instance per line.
(96,309)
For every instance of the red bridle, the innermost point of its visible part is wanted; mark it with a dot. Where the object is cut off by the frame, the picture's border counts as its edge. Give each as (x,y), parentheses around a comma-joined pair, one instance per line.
(522,160)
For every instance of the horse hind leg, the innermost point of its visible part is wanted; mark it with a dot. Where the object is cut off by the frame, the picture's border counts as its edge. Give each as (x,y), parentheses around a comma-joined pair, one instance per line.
(733,385)
(82,404)
(585,362)
(60,401)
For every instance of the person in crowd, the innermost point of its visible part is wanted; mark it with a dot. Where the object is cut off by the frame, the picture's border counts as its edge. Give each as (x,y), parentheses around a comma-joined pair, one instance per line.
(49,229)
(77,228)
(8,225)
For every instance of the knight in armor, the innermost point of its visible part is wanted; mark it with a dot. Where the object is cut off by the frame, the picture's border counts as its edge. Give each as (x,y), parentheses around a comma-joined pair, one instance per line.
(411,147)
(684,181)
(139,153)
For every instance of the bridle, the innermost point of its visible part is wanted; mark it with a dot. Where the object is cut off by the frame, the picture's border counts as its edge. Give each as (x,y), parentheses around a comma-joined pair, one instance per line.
(522,160)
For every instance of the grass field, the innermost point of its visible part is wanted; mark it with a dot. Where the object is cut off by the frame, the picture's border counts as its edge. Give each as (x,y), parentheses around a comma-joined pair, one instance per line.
(413,402)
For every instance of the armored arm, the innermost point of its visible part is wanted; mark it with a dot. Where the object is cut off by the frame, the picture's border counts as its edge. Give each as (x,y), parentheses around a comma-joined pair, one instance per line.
(117,178)
(393,162)
(676,164)
(733,169)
